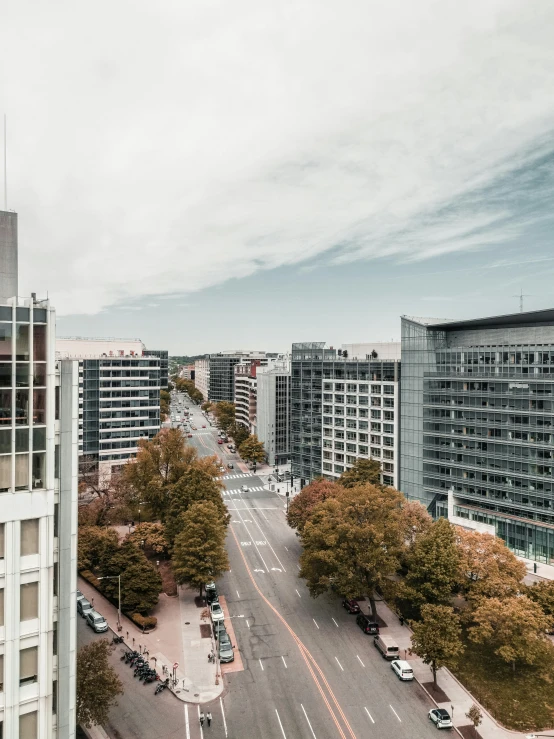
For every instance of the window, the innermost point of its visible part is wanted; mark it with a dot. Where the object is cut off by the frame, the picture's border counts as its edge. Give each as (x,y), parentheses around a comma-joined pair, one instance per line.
(28,601)
(29,536)
(1,675)
(28,666)
(1,606)
(1,541)
(28,725)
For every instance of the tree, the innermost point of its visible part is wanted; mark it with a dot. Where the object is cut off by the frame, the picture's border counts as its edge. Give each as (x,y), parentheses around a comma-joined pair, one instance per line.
(475,716)
(363,470)
(437,637)
(151,536)
(199,553)
(102,489)
(416,521)
(224,413)
(206,406)
(487,567)
(140,581)
(433,566)
(303,504)
(165,400)
(94,545)
(543,594)
(238,433)
(252,450)
(97,684)
(513,627)
(353,542)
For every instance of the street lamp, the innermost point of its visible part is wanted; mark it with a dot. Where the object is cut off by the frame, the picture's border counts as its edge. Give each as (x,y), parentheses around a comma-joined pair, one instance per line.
(111,577)
(139,505)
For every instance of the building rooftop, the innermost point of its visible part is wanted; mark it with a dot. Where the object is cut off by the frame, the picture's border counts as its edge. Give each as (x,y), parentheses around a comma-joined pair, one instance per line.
(529,319)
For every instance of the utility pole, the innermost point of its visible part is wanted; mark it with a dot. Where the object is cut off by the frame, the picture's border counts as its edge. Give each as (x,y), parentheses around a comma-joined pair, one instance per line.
(521,296)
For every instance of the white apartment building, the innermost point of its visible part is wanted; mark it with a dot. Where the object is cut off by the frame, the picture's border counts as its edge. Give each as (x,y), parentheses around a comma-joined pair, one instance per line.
(202,376)
(119,396)
(273,410)
(38,514)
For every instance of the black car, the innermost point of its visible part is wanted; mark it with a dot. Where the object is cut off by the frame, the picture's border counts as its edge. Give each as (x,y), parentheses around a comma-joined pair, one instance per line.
(351,605)
(366,624)
(211,596)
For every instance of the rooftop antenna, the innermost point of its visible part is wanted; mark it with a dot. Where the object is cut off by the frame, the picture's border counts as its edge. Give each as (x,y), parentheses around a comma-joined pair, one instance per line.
(521,296)
(5,165)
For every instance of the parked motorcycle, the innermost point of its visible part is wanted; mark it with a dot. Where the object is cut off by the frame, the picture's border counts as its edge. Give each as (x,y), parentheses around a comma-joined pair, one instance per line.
(162,686)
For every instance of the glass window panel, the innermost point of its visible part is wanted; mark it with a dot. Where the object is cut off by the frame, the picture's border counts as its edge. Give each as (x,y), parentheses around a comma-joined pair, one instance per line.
(28,665)
(5,374)
(28,725)
(39,374)
(1,606)
(5,407)
(5,441)
(5,341)
(39,343)
(1,674)
(22,342)
(22,374)
(22,407)
(29,536)
(28,601)
(5,472)
(39,438)
(39,469)
(22,440)
(39,406)
(1,541)
(21,471)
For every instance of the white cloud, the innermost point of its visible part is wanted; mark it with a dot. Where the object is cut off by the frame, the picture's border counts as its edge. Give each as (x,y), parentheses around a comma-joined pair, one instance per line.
(157,149)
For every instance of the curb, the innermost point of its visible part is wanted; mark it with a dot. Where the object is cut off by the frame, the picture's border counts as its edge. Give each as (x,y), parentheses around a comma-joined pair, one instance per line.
(428,694)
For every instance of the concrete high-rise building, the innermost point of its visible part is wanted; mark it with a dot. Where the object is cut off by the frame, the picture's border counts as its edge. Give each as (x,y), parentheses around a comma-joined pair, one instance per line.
(202,376)
(477,424)
(119,397)
(273,400)
(215,373)
(38,515)
(163,356)
(344,407)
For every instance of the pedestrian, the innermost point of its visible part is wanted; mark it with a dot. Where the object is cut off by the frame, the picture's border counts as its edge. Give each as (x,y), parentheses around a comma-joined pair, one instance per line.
(209,718)
(401,619)
(201,718)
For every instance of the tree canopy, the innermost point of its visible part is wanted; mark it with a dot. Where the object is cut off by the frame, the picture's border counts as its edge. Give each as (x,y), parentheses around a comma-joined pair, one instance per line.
(303,504)
(224,413)
(252,450)
(151,536)
(97,683)
(363,470)
(543,594)
(238,433)
(436,637)
(103,494)
(353,542)
(199,553)
(140,581)
(94,545)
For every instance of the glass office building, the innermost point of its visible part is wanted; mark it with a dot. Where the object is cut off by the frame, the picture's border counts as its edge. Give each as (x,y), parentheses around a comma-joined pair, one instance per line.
(477,436)
(163,356)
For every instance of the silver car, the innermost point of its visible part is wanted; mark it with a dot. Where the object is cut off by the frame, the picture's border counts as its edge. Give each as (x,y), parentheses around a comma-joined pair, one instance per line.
(83,606)
(96,621)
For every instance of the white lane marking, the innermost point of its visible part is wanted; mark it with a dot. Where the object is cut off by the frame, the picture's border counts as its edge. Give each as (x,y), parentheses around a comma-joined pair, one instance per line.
(250,535)
(362,664)
(369,714)
(201,730)
(339,664)
(280,724)
(297,593)
(283,660)
(287,549)
(247,623)
(315,622)
(223,714)
(308,720)
(261,665)
(238,595)
(187,728)
(397,716)
(333,620)
(298,566)
(273,550)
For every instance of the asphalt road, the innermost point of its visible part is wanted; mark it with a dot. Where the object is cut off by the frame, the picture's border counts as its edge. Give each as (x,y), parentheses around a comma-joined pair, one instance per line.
(310,672)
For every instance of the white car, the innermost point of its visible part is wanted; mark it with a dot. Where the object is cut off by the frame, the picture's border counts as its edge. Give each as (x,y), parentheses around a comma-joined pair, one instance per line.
(244,488)
(440,718)
(403,669)
(216,612)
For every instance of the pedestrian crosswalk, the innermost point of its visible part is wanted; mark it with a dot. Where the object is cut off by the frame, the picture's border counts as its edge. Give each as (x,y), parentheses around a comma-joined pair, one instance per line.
(236,477)
(238,491)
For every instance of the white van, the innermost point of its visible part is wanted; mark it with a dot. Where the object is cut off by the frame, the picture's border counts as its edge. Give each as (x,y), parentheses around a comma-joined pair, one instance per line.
(387,646)
(403,669)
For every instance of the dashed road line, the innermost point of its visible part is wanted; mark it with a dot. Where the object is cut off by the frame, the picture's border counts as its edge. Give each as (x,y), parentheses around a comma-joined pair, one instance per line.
(280,724)
(283,660)
(261,665)
(333,620)
(223,714)
(315,622)
(397,716)
(362,664)
(339,664)
(187,727)
(201,730)
(238,595)
(369,714)
(308,720)
(297,593)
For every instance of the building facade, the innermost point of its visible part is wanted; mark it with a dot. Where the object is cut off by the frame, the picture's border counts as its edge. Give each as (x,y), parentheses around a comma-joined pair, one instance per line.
(163,356)
(273,410)
(215,373)
(202,376)
(344,408)
(477,423)
(246,393)
(119,397)
(38,518)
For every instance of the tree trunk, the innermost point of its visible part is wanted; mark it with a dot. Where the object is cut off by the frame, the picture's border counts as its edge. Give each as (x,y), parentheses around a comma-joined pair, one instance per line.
(201,588)
(373,607)
(433,667)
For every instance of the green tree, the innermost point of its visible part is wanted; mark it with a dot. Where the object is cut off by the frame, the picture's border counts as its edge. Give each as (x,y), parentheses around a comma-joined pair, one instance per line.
(487,567)
(514,628)
(433,566)
(206,406)
(165,400)
(437,637)
(363,470)
(252,450)
(238,433)
(224,413)
(543,594)
(140,581)
(97,684)
(150,536)
(303,504)
(199,553)
(475,716)
(353,542)
(94,545)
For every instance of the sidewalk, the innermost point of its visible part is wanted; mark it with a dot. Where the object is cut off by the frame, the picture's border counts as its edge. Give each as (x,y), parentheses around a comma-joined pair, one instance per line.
(176,640)
(460,700)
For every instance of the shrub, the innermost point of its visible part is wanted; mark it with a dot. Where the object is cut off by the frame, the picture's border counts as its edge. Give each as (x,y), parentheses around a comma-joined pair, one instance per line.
(145,622)
(91,578)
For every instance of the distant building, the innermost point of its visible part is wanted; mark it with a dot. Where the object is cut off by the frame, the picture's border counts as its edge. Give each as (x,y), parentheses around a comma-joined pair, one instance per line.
(215,373)
(273,410)
(202,376)
(188,372)
(344,407)
(477,424)
(164,365)
(119,396)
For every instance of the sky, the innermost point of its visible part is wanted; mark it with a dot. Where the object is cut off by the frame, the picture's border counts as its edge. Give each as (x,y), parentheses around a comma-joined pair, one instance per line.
(211,175)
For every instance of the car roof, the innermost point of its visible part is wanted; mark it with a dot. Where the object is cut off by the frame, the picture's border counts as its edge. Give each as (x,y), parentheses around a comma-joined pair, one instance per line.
(442,712)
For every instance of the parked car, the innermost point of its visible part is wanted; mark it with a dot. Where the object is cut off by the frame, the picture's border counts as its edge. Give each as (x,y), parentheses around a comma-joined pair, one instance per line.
(387,646)
(83,606)
(80,596)
(244,488)
(220,631)
(352,606)
(220,441)
(96,621)
(216,612)
(210,586)
(403,669)
(212,596)
(226,653)
(440,718)
(189,436)
(367,625)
